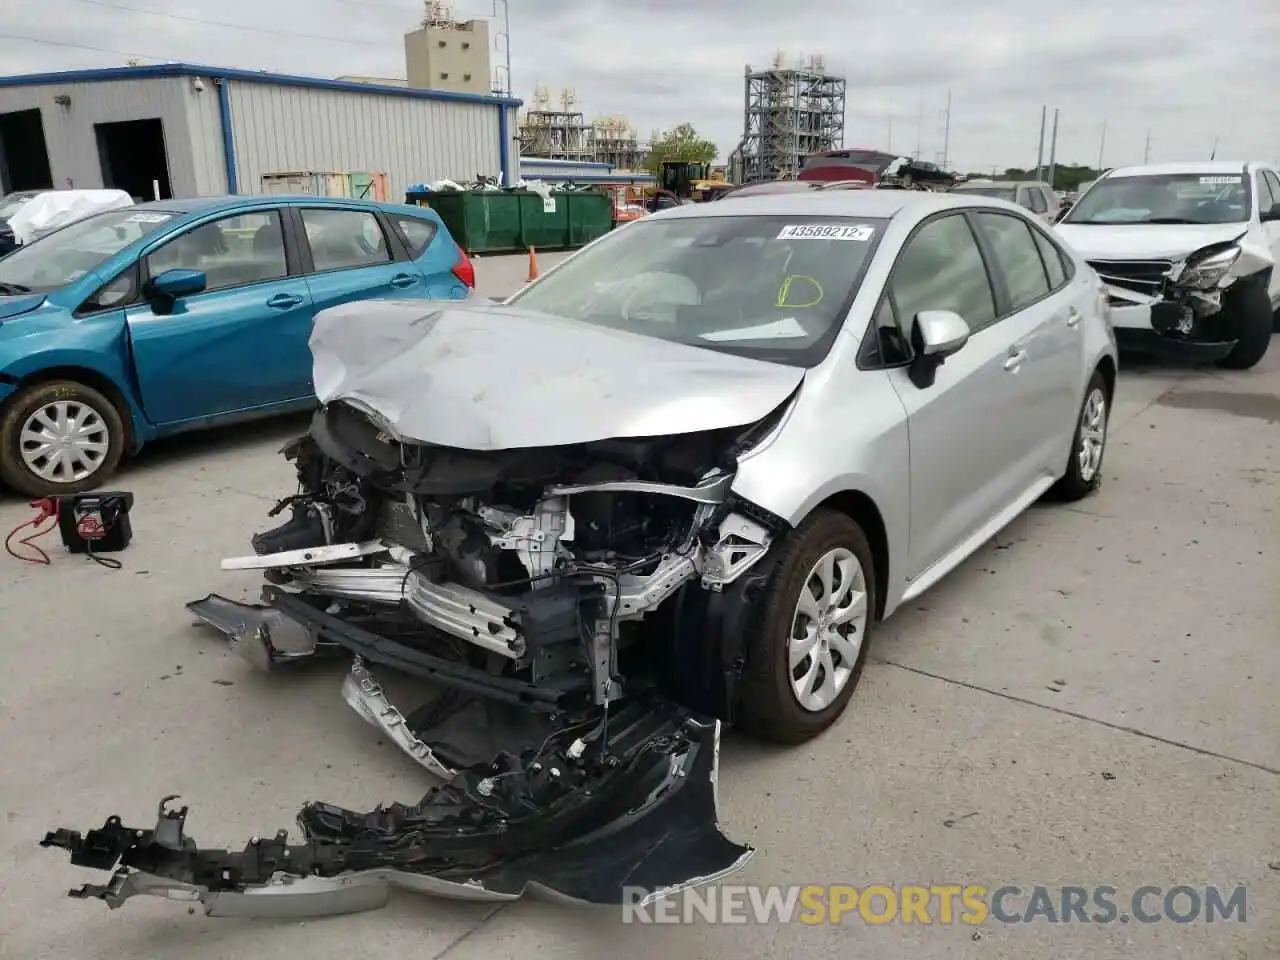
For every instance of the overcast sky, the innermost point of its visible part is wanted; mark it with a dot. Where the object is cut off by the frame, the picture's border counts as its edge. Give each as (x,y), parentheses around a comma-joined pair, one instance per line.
(1188,72)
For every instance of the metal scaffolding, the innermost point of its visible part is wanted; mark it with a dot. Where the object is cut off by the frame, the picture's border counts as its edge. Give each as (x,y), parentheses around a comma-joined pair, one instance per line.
(565,134)
(792,111)
(555,134)
(616,142)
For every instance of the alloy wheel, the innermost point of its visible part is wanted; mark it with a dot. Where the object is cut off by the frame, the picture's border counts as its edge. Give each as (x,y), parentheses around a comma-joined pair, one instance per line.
(827,629)
(1093,434)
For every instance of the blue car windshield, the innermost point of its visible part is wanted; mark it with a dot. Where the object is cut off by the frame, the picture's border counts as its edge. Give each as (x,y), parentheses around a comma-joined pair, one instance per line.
(66,255)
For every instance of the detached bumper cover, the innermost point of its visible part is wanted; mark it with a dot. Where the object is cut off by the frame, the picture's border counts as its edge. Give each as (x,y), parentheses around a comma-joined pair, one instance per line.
(1152,324)
(632,822)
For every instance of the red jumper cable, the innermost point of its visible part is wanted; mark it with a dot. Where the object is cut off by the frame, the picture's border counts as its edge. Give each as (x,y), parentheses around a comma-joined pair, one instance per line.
(48,510)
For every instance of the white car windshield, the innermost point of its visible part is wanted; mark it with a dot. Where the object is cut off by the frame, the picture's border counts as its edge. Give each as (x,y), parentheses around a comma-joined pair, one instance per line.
(771,287)
(66,255)
(1167,198)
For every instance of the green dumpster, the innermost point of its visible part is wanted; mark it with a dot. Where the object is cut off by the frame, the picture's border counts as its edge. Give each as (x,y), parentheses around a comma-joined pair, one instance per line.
(510,221)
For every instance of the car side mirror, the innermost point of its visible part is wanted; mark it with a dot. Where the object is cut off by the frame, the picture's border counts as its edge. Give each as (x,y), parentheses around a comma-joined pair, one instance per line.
(935,335)
(179,283)
(166,289)
(1272,214)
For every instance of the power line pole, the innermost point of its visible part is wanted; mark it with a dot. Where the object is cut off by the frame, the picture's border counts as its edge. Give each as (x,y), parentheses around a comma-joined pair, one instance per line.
(1146,151)
(1053,148)
(1214,154)
(1044,115)
(1102,143)
(946,135)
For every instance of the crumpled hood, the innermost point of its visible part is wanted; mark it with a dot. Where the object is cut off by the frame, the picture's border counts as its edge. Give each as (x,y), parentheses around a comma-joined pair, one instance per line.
(20,304)
(1146,241)
(488,377)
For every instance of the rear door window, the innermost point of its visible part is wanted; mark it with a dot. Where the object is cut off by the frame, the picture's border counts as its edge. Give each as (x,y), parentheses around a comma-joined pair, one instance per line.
(417,234)
(342,239)
(1017,257)
(1053,260)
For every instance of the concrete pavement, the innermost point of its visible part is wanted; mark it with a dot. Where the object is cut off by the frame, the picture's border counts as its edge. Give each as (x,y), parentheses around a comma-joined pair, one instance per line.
(1089,700)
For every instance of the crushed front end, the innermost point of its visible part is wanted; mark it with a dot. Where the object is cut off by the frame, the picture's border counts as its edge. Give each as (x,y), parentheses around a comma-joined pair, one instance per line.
(577,612)
(1182,307)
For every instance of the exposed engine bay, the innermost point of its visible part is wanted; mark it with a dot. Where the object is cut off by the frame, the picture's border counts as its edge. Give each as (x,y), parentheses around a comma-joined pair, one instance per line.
(578,611)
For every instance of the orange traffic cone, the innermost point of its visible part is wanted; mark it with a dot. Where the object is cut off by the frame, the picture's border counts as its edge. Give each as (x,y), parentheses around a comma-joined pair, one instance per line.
(533,266)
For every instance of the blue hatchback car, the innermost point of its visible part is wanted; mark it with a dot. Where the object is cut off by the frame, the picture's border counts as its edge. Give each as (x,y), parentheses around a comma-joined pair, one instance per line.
(181,314)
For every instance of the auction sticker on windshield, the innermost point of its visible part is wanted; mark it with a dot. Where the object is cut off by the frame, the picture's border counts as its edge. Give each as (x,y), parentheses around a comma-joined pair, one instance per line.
(149,218)
(1218,181)
(826,231)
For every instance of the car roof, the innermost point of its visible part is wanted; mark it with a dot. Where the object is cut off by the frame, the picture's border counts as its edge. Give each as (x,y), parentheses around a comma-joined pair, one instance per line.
(879,204)
(997,183)
(1182,167)
(194,205)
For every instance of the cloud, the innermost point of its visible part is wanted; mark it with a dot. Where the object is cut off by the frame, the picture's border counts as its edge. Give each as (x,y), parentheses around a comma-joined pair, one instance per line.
(1187,74)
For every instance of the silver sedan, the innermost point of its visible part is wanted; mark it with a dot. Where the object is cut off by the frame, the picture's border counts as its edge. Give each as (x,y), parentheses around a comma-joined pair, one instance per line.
(928,366)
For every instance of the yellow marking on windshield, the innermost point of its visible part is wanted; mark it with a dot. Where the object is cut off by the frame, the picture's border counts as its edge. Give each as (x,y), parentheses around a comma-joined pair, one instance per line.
(784,292)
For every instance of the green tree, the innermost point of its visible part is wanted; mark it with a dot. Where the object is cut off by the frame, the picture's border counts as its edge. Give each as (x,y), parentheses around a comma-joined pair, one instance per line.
(680,143)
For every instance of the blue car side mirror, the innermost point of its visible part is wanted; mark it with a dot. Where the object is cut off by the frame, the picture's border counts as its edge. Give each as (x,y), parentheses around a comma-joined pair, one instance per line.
(178,283)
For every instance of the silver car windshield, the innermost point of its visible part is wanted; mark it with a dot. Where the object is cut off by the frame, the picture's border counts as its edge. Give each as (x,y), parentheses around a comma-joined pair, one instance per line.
(770,287)
(1165,198)
(67,254)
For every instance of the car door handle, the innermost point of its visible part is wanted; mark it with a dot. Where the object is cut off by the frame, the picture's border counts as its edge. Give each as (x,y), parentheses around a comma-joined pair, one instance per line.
(1074,318)
(403,280)
(1015,360)
(283,301)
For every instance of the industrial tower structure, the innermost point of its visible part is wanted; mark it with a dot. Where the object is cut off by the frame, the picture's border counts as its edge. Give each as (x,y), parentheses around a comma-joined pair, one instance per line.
(555,134)
(565,134)
(792,112)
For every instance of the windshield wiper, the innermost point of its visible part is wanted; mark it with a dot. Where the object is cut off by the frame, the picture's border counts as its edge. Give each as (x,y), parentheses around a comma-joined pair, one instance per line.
(1177,220)
(13,288)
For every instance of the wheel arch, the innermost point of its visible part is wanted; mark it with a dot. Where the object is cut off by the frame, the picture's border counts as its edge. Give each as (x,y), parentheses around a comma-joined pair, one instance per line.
(90,377)
(1107,367)
(862,509)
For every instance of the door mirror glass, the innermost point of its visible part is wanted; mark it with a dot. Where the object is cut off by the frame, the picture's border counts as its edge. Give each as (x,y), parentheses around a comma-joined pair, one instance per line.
(178,283)
(939,333)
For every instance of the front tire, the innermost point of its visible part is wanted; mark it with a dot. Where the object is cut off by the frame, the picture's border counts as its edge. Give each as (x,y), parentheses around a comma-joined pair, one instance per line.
(805,656)
(59,438)
(1254,323)
(1089,443)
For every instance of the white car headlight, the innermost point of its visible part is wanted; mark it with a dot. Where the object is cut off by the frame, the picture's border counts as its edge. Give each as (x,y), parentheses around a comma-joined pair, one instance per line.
(1211,271)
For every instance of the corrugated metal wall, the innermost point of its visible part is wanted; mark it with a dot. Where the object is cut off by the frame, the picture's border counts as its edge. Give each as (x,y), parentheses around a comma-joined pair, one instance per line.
(277,129)
(73,144)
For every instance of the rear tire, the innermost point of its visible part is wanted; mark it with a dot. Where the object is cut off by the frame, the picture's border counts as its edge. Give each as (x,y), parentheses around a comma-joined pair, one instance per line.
(91,427)
(1255,323)
(834,622)
(1088,444)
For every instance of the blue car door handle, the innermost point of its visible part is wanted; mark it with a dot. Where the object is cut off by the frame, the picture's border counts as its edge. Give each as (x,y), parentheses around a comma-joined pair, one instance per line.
(283,301)
(403,280)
